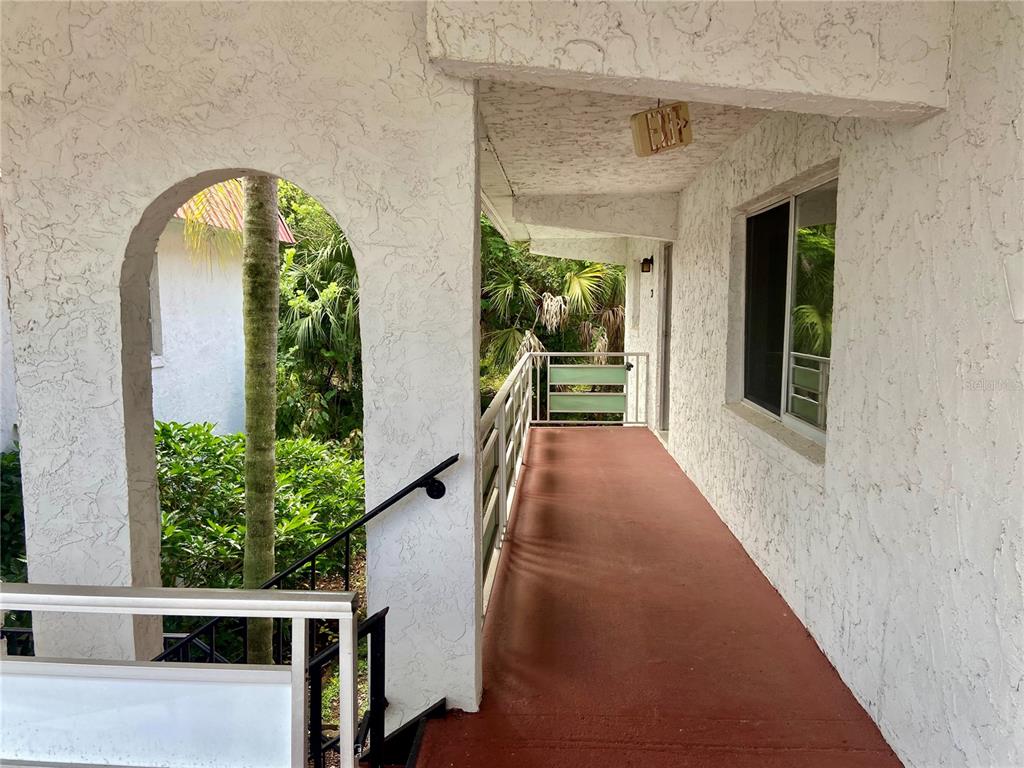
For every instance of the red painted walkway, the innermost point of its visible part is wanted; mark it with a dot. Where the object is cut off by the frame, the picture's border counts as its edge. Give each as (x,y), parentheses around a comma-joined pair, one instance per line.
(629,628)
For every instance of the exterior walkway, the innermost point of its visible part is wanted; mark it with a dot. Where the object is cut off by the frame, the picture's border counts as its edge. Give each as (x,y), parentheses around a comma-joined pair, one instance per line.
(629,628)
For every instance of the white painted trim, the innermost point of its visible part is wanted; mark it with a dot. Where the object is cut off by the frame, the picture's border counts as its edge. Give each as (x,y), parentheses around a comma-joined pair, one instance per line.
(169,601)
(155,670)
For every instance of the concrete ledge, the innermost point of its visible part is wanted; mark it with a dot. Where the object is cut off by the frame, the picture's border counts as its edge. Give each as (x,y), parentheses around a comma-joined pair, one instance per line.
(800,453)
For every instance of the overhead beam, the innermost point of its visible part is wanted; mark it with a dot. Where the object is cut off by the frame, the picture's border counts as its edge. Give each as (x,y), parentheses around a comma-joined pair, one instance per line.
(883,60)
(651,216)
(607,250)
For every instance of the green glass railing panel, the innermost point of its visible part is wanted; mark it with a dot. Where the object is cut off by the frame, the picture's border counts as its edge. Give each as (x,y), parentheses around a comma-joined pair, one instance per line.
(490,462)
(805,378)
(489,533)
(587,402)
(587,374)
(804,409)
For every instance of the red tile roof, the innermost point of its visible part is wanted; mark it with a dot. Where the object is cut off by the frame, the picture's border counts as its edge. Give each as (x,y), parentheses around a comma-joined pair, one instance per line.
(223,209)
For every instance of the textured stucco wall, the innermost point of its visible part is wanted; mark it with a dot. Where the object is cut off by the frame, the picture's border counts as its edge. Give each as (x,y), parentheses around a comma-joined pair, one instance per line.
(865,59)
(644,317)
(902,549)
(8,398)
(110,112)
(200,372)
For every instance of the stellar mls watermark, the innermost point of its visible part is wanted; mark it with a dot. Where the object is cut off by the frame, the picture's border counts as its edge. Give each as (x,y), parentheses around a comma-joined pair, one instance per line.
(993,385)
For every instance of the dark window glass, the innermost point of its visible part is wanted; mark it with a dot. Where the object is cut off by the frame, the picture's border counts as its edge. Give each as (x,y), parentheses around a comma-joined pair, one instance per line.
(765,323)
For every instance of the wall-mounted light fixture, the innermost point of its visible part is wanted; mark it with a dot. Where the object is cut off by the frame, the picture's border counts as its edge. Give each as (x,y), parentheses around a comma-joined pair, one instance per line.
(647,265)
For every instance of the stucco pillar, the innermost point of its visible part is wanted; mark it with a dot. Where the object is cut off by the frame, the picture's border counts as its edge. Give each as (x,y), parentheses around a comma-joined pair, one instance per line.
(419,308)
(85,523)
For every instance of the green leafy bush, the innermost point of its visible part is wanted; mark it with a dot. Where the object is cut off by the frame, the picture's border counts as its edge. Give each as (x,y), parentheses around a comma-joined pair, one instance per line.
(12,519)
(202,498)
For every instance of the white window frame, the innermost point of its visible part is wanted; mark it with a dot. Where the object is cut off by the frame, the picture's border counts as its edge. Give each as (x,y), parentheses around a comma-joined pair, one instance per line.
(788,420)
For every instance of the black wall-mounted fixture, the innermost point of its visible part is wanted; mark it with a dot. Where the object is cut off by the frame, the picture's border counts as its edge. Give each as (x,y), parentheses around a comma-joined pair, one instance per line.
(647,264)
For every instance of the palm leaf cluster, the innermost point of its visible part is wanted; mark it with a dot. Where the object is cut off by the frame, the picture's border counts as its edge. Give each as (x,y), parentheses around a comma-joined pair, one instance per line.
(815,273)
(319,368)
(533,303)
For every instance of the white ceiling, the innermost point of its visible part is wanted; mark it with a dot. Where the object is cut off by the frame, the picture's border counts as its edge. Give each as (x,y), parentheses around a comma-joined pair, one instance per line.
(550,141)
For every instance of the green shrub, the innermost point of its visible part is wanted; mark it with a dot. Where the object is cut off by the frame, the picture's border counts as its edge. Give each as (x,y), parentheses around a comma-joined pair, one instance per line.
(12,519)
(202,498)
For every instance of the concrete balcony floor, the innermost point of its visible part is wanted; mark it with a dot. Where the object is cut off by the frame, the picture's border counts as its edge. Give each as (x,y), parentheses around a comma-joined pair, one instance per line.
(628,627)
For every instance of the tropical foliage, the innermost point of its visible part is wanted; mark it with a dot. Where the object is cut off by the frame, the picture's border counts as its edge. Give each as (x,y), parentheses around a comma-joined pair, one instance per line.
(533,302)
(12,519)
(319,369)
(815,277)
(202,499)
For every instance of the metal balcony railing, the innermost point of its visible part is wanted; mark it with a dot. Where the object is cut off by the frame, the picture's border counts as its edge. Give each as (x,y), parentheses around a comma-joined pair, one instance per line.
(808,388)
(549,388)
(576,388)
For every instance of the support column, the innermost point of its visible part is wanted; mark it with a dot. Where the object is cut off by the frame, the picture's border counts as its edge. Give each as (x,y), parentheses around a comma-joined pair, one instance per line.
(86,521)
(419,315)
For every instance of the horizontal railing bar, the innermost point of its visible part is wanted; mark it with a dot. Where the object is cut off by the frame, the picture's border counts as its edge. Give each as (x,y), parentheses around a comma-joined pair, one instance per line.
(176,601)
(578,423)
(590,354)
(147,670)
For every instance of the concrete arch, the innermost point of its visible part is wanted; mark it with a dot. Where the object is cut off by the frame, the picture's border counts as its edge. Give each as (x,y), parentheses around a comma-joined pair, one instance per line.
(137,385)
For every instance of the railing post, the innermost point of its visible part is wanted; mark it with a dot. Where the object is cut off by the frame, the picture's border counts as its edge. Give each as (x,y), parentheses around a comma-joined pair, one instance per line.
(316,702)
(348,702)
(502,476)
(299,703)
(377,699)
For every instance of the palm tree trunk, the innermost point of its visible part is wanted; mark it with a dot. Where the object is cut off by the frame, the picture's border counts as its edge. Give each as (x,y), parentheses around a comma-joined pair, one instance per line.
(260,292)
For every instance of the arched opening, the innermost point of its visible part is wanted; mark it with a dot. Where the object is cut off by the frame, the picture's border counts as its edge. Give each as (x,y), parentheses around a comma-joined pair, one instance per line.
(183,358)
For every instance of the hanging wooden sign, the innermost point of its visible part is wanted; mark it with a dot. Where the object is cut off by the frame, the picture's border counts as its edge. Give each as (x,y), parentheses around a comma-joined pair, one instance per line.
(661,128)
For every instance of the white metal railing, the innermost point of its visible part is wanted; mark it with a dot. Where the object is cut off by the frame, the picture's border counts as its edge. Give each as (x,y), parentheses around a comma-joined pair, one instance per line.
(808,388)
(606,388)
(503,432)
(576,388)
(166,713)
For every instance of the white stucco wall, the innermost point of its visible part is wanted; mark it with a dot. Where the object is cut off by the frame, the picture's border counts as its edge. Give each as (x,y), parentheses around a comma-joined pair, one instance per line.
(902,549)
(644,314)
(8,398)
(848,58)
(111,116)
(199,374)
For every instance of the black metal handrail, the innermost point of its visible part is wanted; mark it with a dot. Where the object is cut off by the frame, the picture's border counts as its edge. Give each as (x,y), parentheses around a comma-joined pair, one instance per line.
(435,489)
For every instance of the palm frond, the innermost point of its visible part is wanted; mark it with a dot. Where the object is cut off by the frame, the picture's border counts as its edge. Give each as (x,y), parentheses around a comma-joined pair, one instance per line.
(203,240)
(503,346)
(510,294)
(554,312)
(812,330)
(583,287)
